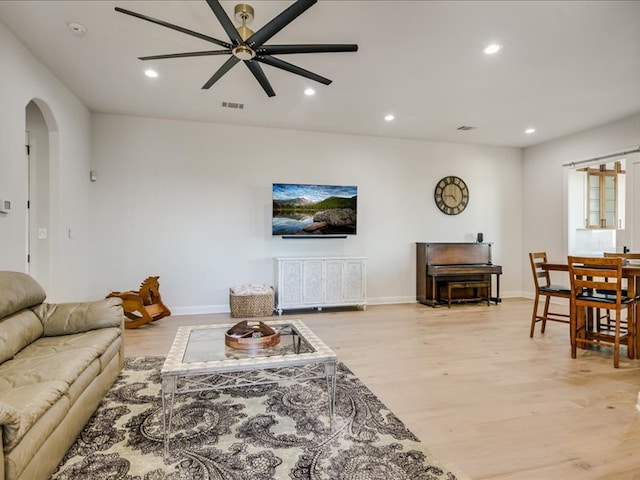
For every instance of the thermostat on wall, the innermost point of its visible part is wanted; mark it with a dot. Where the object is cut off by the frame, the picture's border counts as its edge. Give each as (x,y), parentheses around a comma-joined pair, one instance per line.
(5,206)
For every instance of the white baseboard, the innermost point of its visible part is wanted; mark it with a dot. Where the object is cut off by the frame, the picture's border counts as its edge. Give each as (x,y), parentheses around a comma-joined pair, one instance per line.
(204,309)
(390,300)
(200,309)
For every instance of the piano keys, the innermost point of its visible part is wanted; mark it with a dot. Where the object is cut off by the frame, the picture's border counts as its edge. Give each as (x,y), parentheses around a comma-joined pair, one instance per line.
(438,264)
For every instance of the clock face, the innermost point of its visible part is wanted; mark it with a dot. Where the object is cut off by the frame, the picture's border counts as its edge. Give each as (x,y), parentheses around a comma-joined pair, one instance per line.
(451,195)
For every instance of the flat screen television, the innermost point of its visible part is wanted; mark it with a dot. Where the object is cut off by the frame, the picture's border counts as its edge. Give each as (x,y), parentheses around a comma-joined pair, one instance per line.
(305,210)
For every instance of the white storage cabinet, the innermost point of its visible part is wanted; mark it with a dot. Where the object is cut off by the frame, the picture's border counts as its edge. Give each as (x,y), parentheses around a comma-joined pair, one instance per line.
(316,282)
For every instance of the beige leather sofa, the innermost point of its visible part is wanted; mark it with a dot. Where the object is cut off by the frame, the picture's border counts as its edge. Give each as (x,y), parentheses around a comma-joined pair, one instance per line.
(57,361)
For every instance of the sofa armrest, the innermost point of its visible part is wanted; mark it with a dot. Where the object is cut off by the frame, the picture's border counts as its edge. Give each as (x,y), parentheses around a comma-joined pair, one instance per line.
(69,318)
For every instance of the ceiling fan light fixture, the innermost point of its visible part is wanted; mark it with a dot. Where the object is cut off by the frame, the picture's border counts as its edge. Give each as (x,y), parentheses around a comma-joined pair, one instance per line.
(243,13)
(243,52)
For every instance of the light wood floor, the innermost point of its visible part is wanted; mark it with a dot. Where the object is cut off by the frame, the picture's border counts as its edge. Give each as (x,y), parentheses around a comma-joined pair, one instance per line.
(485,399)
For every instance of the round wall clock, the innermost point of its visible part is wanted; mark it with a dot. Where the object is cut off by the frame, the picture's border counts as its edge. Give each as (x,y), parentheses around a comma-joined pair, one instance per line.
(451,195)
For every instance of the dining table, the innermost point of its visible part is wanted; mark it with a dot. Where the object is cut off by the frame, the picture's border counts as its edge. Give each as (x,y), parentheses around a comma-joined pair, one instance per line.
(630,271)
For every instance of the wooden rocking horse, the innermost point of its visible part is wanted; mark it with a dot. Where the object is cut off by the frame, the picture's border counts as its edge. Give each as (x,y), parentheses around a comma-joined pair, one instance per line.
(143,306)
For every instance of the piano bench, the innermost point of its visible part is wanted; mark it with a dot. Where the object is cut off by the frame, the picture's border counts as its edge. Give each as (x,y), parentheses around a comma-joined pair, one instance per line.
(475,285)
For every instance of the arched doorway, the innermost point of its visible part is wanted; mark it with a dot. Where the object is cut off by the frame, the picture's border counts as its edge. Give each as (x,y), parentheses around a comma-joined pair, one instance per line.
(39,142)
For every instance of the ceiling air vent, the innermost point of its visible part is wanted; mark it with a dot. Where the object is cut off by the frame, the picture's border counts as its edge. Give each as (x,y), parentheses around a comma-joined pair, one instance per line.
(236,105)
(466,128)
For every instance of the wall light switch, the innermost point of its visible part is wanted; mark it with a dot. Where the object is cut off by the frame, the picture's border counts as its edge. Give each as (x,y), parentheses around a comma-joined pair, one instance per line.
(42,233)
(5,206)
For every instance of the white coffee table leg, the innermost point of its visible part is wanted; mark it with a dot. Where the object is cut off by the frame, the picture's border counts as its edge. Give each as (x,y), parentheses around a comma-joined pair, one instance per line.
(168,388)
(330,374)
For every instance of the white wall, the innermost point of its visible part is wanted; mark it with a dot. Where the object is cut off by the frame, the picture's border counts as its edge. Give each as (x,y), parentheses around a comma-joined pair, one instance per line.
(545,185)
(191,202)
(24,78)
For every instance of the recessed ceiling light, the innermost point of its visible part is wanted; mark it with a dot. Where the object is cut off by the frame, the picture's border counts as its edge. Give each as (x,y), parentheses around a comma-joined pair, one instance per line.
(493,48)
(151,73)
(530,130)
(389,117)
(309,91)
(77,29)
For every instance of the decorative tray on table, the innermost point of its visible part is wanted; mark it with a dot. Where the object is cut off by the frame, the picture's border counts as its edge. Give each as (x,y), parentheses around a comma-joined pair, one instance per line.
(245,336)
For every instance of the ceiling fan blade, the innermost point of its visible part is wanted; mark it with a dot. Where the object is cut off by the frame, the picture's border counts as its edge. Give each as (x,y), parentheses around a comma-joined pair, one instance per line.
(257,71)
(186,54)
(286,49)
(225,21)
(175,27)
(279,22)
(276,62)
(226,66)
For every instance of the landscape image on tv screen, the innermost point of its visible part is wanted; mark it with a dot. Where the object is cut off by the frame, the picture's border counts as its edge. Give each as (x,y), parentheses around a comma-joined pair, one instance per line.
(300,209)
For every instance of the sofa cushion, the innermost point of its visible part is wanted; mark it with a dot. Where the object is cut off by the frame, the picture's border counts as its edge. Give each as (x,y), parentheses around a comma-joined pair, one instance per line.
(98,341)
(33,444)
(29,370)
(69,318)
(17,331)
(39,453)
(82,382)
(17,292)
(22,407)
(31,384)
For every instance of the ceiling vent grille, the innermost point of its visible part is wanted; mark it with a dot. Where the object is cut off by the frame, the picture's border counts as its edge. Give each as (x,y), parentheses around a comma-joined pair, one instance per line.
(236,105)
(466,128)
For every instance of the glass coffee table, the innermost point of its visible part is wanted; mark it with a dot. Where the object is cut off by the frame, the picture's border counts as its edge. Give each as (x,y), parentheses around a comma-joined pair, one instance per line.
(199,361)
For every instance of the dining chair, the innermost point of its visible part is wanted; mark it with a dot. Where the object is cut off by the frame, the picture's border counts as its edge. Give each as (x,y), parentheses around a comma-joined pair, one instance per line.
(596,283)
(625,257)
(544,288)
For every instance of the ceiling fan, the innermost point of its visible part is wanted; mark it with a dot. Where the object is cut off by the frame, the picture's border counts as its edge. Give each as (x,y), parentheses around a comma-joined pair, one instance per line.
(249,46)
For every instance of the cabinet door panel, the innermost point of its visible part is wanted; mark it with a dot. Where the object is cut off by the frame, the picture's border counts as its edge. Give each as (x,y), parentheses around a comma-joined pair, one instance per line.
(355,280)
(610,201)
(334,273)
(595,216)
(290,291)
(313,282)
(603,199)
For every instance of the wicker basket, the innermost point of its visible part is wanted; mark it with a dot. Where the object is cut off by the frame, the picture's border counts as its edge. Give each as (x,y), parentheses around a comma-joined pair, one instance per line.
(251,305)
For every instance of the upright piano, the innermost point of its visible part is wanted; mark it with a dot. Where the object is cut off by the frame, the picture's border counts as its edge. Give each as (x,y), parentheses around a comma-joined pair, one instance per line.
(439,264)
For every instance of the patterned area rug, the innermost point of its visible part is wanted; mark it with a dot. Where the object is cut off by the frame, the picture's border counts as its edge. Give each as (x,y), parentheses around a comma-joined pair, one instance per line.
(274,431)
